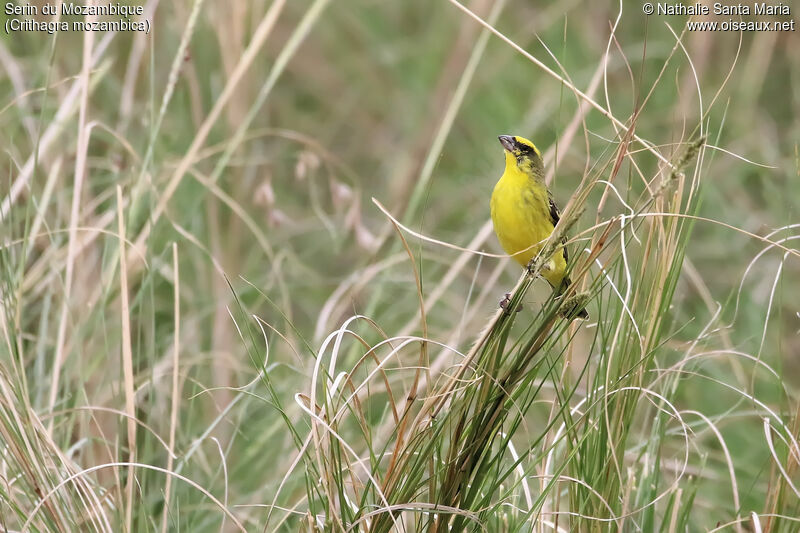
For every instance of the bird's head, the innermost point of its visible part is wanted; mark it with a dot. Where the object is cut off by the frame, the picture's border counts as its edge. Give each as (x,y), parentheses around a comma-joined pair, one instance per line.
(522,154)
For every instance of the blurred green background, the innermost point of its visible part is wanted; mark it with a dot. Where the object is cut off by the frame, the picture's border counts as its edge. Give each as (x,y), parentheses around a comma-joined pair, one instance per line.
(270,204)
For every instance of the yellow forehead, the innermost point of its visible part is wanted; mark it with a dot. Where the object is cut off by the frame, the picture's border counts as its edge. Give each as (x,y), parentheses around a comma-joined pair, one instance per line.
(526,142)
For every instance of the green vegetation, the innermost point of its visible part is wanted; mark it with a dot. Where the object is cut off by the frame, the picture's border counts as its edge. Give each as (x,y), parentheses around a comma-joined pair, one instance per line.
(248,281)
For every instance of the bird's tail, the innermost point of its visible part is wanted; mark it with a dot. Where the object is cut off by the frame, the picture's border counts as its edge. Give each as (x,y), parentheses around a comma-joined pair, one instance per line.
(574,306)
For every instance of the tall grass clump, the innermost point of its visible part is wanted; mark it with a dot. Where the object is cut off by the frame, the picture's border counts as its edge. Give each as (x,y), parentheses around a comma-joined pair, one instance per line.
(470,449)
(248,281)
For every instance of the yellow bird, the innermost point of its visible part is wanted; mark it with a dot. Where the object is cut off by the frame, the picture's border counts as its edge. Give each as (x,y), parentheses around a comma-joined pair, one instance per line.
(524,213)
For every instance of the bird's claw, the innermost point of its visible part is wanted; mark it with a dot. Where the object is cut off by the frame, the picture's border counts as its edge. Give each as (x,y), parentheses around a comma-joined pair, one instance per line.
(507,300)
(533,266)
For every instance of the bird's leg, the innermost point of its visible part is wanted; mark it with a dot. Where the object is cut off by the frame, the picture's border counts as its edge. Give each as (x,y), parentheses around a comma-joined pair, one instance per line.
(533,266)
(507,300)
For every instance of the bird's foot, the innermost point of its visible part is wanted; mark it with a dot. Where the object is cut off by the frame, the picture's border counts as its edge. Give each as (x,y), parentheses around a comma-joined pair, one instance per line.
(504,303)
(533,266)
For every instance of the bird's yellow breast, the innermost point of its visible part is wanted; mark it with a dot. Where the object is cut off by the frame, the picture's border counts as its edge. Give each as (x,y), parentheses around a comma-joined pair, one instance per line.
(521,216)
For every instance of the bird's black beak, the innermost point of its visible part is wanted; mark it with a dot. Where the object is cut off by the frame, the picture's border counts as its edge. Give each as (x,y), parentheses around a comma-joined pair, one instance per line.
(508,142)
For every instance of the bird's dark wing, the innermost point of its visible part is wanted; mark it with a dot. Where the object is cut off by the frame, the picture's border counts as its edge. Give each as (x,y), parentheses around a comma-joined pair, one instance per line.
(555,216)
